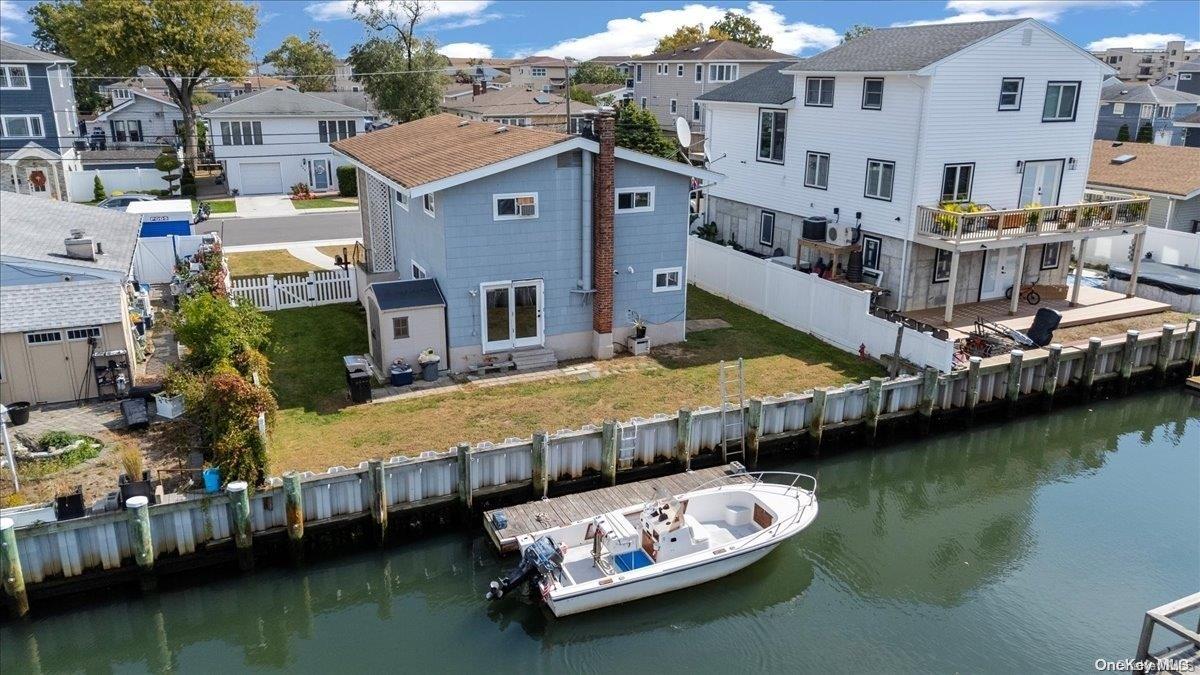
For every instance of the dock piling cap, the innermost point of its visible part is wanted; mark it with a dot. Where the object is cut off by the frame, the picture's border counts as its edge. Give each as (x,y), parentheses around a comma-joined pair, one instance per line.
(137,502)
(237,486)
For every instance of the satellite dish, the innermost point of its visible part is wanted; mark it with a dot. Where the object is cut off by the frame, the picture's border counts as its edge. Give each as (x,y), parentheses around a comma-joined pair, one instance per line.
(683,132)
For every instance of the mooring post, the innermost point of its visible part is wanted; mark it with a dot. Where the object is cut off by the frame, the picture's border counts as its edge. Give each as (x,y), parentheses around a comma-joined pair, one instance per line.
(1050,379)
(754,430)
(141,539)
(1015,359)
(1091,359)
(464,475)
(1163,359)
(683,439)
(293,503)
(1128,356)
(817,423)
(379,501)
(609,440)
(874,404)
(1194,349)
(243,531)
(10,568)
(540,467)
(929,385)
(973,383)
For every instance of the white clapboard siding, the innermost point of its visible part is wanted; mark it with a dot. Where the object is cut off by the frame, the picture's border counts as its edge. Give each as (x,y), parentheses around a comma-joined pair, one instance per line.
(315,288)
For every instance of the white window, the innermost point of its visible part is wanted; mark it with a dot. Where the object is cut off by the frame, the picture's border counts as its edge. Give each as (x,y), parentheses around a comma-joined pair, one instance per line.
(21,126)
(679,71)
(662,68)
(428,203)
(635,199)
(722,72)
(699,72)
(514,206)
(1050,254)
(1061,98)
(14,77)
(674,106)
(668,279)
(956,182)
(418,272)
(1147,111)
(1118,109)
(872,97)
(402,200)
(816,170)
(696,111)
(399,327)
(120,94)
(766,228)
(1165,111)
(538,72)
(335,130)
(83,333)
(1185,76)
(880,175)
(772,130)
(241,133)
(871,248)
(42,338)
(941,266)
(1010,93)
(818,91)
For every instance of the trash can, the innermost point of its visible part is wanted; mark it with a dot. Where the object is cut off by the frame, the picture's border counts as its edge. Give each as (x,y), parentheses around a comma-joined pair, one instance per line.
(400,376)
(212,479)
(360,386)
(429,360)
(18,412)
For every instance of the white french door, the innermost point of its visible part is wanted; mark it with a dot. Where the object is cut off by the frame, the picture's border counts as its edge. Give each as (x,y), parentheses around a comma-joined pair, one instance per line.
(1039,183)
(999,269)
(511,313)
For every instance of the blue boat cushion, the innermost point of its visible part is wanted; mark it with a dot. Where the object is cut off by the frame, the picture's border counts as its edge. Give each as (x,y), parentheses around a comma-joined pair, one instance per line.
(632,560)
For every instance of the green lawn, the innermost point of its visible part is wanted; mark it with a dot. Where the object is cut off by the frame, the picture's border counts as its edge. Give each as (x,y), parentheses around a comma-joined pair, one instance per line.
(324,203)
(258,263)
(316,431)
(217,205)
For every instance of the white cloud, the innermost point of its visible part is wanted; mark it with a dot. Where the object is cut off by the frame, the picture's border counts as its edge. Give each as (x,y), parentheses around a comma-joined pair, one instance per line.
(466,50)
(441,15)
(638,35)
(1049,11)
(1139,41)
(10,12)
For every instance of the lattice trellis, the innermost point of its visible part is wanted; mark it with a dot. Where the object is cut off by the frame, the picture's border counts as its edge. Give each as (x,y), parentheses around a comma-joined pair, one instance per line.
(379,215)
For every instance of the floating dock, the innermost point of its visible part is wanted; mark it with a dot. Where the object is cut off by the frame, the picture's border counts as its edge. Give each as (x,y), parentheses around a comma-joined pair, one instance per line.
(558,511)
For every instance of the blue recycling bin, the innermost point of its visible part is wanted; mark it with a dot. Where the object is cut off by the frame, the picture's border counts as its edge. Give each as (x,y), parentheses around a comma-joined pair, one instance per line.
(400,376)
(212,479)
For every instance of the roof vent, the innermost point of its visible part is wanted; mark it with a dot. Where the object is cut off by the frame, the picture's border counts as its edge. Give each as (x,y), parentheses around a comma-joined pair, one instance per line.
(77,234)
(80,248)
(464,123)
(501,129)
(1123,159)
(541,99)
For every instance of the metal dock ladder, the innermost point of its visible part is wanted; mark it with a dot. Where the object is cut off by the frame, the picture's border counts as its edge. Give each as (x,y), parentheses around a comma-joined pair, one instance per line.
(628,447)
(733,410)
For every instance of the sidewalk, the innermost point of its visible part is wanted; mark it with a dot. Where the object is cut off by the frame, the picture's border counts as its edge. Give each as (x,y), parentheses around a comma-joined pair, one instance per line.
(275,206)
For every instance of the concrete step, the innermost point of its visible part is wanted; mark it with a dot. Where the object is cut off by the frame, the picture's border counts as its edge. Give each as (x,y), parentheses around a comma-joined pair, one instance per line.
(534,359)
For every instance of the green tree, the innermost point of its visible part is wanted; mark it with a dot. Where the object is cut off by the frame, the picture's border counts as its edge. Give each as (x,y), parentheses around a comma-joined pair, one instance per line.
(590,72)
(637,129)
(1123,133)
(855,31)
(1145,133)
(743,29)
(411,85)
(184,43)
(312,59)
(687,35)
(216,332)
(582,95)
(168,162)
(87,93)
(97,189)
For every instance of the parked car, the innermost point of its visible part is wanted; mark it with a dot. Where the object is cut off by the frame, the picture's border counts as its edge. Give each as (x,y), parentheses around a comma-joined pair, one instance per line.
(122,202)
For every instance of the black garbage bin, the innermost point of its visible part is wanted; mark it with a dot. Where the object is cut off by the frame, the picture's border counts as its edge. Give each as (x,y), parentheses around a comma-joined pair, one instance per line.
(360,386)
(18,412)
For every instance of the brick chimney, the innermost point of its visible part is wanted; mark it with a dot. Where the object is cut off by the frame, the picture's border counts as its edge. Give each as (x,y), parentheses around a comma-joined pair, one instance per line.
(477,88)
(602,235)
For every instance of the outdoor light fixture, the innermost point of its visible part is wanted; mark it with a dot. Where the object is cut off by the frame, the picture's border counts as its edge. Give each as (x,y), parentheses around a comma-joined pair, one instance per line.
(1020,166)
(1071,164)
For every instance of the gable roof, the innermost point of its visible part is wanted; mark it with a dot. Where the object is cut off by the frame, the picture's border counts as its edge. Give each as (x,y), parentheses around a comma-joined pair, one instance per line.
(125,104)
(354,99)
(1116,91)
(281,102)
(1161,169)
(11,52)
(35,228)
(515,102)
(29,307)
(902,49)
(611,60)
(538,60)
(716,50)
(768,85)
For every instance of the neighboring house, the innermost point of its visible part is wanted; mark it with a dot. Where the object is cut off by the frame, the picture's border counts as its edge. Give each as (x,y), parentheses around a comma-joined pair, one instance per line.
(476,73)
(64,288)
(124,158)
(343,77)
(1170,176)
(520,107)
(273,139)
(605,94)
(457,90)
(145,80)
(1148,64)
(1134,105)
(868,139)
(38,121)
(540,73)
(142,118)
(536,241)
(1188,78)
(623,65)
(669,83)
(226,90)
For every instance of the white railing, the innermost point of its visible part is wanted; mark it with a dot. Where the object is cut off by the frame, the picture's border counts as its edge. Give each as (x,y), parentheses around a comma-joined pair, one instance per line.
(987,224)
(302,290)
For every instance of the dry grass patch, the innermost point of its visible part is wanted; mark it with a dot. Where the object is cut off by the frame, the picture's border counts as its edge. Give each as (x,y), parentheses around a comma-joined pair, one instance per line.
(1076,334)
(258,263)
(356,254)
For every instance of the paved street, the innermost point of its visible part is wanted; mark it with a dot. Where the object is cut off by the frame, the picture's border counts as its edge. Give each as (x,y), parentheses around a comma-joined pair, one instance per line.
(240,231)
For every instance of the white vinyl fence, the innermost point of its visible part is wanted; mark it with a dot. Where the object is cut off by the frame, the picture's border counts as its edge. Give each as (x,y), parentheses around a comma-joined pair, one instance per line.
(837,314)
(80,183)
(1167,246)
(302,290)
(155,257)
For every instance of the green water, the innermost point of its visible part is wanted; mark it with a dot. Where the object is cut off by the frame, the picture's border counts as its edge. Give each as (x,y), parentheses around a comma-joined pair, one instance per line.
(1031,546)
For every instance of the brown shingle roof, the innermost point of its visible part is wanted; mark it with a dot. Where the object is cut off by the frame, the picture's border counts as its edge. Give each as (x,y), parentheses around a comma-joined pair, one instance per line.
(437,147)
(710,50)
(1163,169)
(515,102)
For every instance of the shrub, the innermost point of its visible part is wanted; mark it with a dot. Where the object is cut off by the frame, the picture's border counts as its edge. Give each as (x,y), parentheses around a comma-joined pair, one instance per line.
(188,189)
(1145,133)
(131,462)
(1123,133)
(97,189)
(224,407)
(347,179)
(215,332)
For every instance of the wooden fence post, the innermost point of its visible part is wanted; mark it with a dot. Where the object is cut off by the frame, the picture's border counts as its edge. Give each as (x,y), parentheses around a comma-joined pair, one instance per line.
(1091,359)
(1163,359)
(293,501)
(1050,379)
(929,386)
(683,439)
(1128,354)
(974,380)
(874,404)
(817,424)
(540,467)
(609,439)
(311,289)
(754,431)
(379,502)
(464,475)
(243,530)
(1013,391)
(10,568)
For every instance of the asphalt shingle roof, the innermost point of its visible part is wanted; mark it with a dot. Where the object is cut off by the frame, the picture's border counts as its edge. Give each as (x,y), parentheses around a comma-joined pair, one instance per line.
(11,52)
(406,294)
(716,50)
(902,49)
(765,86)
(281,102)
(1116,91)
(515,102)
(31,307)
(1163,169)
(35,228)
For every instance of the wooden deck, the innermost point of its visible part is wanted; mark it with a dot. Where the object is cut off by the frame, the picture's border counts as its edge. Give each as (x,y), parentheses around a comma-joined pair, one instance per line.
(558,511)
(1095,305)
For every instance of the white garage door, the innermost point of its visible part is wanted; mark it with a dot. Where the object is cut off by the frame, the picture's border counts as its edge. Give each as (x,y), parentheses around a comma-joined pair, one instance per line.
(260,178)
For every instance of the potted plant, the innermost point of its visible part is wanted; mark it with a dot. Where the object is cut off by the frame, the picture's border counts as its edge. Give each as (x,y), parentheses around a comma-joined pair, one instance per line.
(135,482)
(429,360)
(1088,214)
(168,404)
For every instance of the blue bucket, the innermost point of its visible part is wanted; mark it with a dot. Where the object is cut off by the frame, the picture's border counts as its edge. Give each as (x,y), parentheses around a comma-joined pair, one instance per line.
(212,479)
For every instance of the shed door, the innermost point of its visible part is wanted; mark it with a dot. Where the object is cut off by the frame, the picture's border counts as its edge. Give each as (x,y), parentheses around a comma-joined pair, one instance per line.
(259,178)
(50,363)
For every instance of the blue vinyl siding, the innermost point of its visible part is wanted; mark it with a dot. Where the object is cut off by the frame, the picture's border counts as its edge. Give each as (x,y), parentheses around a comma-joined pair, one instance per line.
(33,101)
(1109,124)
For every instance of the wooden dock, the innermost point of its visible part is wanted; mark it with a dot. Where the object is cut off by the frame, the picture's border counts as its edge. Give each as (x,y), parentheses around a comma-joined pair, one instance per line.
(1193,384)
(558,511)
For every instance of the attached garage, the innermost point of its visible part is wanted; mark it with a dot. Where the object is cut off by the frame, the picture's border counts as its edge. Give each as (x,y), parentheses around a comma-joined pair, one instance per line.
(261,178)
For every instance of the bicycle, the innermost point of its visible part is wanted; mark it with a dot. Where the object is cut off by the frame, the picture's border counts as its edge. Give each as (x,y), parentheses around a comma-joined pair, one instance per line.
(1027,293)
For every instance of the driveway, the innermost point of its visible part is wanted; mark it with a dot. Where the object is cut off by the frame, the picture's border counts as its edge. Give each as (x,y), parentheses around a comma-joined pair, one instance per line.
(264,206)
(280,230)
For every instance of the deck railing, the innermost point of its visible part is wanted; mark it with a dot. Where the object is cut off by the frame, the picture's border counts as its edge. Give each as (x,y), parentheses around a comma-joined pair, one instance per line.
(989,225)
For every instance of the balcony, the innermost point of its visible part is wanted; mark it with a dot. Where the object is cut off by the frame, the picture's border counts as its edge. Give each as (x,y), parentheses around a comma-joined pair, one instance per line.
(958,226)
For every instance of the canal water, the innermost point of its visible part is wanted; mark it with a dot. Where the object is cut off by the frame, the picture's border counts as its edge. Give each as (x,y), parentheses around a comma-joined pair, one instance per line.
(1030,546)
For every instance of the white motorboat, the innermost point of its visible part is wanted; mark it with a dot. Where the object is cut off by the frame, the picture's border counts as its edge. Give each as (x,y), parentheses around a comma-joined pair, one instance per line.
(663,545)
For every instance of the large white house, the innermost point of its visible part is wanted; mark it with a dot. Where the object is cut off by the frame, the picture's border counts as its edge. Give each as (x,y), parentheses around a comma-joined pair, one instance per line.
(273,139)
(868,139)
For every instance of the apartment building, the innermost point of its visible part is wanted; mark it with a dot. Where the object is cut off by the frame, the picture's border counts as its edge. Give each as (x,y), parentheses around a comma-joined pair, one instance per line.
(1148,64)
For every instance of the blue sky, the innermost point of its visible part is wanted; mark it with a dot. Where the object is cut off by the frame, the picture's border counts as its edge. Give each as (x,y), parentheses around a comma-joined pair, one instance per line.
(584,29)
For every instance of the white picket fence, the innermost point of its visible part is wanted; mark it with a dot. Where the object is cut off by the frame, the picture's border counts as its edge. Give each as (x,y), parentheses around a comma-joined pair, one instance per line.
(837,314)
(286,292)
(80,184)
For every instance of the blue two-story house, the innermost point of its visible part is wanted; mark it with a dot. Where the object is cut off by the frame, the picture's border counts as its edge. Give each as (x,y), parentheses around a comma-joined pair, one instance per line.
(38,121)
(1133,106)
(489,243)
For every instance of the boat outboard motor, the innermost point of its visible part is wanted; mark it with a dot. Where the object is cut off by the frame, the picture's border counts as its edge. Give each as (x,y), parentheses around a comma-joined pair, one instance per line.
(540,558)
